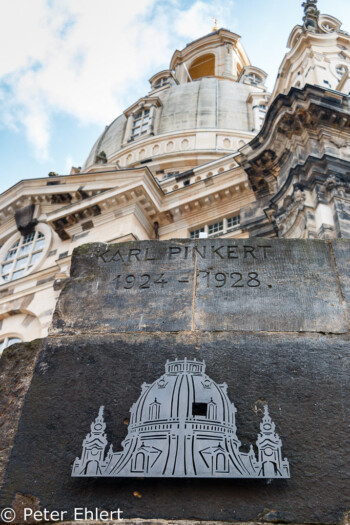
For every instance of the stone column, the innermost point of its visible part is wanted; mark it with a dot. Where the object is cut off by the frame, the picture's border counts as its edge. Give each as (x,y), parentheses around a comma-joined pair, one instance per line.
(128,128)
(256,117)
(152,118)
(228,60)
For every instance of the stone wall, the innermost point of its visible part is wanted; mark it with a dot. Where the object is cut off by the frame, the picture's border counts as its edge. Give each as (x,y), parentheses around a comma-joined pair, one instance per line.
(269,318)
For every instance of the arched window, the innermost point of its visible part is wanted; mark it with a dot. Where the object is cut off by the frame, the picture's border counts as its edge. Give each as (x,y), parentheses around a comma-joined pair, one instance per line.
(161,82)
(8,341)
(203,66)
(254,78)
(220,462)
(22,256)
(341,70)
(154,410)
(212,412)
(140,462)
(328,27)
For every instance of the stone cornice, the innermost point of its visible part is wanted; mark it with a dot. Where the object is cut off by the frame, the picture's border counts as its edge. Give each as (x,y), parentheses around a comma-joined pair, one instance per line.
(144,102)
(142,188)
(65,189)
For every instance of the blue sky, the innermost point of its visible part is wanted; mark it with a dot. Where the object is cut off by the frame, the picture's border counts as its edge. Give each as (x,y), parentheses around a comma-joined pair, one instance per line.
(69,67)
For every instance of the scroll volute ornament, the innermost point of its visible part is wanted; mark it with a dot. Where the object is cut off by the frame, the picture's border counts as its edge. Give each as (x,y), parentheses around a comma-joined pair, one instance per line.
(263,172)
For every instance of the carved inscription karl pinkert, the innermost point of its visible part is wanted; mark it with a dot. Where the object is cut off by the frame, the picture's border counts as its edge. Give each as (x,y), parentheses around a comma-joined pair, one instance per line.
(133,286)
(212,284)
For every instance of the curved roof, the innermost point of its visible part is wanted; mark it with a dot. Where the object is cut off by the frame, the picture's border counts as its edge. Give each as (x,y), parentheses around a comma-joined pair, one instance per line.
(206,103)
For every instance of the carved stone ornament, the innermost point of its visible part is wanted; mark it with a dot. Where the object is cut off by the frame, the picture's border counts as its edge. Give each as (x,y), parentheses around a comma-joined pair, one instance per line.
(288,217)
(337,185)
(263,172)
(182,425)
(25,221)
(311,15)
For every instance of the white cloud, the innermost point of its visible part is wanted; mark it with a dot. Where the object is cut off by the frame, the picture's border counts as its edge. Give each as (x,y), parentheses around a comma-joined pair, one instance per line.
(86,58)
(90,59)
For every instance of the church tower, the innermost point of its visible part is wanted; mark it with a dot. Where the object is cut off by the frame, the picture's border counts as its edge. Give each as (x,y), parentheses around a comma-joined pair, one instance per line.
(298,164)
(319,53)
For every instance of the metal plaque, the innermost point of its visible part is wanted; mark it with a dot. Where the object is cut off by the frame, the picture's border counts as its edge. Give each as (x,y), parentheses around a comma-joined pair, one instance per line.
(182,425)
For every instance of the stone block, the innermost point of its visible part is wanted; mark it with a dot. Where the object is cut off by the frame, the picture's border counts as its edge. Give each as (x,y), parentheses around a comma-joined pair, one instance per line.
(303,378)
(341,249)
(267,285)
(132,286)
(213,284)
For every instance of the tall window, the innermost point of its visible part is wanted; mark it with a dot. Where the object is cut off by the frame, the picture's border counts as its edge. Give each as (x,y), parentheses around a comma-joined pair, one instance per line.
(141,122)
(8,341)
(22,256)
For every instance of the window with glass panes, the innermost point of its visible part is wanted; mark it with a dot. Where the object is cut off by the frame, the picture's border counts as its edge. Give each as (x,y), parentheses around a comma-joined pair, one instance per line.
(233,222)
(161,82)
(8,341)
(195,233)
(140,124)
(254,79)
(22,256)
(216,227)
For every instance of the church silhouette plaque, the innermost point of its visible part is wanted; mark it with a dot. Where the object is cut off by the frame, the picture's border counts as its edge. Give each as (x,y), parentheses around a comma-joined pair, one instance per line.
(182,425)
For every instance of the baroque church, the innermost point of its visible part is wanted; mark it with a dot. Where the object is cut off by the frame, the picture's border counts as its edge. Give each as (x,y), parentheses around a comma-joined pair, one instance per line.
(207,152)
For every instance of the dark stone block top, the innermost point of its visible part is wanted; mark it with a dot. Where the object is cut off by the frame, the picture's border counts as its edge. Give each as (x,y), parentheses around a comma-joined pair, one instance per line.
(213,284)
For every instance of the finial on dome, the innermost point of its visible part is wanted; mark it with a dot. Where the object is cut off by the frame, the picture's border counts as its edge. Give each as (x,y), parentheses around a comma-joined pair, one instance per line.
(311,15)
(215,27)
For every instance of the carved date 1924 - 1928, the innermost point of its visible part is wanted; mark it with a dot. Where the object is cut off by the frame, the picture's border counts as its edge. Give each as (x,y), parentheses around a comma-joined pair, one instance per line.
(209,278)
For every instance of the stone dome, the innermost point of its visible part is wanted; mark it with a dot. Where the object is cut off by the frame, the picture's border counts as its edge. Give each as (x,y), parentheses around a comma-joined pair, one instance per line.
(206,103)
(210,103)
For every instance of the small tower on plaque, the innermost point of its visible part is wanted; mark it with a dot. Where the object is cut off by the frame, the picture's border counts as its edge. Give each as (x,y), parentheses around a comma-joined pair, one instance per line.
(94,446)
(270,450)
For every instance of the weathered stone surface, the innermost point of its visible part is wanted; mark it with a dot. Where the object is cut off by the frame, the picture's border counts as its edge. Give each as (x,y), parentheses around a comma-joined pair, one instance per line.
(213,284)
(16,369)
(132,286)
(268,285)
(139,521)
(304,378)
(341,249)
(268,317)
